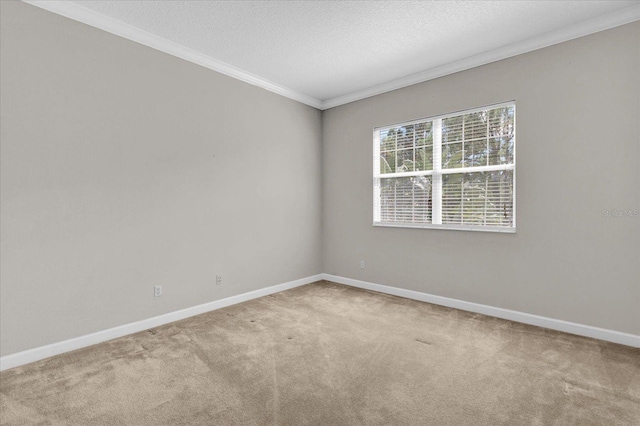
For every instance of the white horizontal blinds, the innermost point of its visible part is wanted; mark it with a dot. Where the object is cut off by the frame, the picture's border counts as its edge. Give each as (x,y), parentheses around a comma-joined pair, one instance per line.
(404,150)
(482,138)
(456,169)
(405,199)
(484,198)
(486,140)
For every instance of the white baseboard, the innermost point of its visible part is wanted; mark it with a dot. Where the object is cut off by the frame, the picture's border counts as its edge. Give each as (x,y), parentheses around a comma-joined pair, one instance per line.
(42,352)
(554,324)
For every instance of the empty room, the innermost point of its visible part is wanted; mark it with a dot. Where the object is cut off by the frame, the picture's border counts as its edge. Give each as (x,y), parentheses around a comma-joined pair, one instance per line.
(319,212)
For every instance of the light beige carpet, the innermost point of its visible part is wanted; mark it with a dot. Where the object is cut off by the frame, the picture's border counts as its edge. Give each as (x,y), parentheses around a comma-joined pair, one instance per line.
(326,354)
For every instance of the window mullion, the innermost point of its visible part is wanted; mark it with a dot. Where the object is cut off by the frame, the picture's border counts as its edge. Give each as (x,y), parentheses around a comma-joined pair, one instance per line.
(377,205)
(436,213)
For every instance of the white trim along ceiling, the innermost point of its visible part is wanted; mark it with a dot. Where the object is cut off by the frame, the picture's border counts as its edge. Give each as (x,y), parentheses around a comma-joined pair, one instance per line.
(82,12)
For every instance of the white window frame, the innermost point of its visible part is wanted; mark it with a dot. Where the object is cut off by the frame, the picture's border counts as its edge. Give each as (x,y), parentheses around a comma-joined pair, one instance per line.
(437,172)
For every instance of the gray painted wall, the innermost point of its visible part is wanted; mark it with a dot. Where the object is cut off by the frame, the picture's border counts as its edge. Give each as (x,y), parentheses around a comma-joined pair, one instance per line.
(578,140)
(123,167)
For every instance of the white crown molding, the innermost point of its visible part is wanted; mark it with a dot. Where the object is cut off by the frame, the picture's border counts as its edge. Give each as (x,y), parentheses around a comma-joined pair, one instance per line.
(627,339)
(581,29)
(42,352)
(87,16)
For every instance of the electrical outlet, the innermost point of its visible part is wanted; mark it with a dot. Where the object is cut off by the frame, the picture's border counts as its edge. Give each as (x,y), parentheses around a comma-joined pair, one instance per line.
(362,264)
(218,279)
(157,291)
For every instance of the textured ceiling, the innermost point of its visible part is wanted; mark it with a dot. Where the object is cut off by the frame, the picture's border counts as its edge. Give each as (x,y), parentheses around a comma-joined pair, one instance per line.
(330,49)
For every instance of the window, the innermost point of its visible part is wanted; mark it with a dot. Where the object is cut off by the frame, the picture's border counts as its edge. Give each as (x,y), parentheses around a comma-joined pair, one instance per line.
(455,171)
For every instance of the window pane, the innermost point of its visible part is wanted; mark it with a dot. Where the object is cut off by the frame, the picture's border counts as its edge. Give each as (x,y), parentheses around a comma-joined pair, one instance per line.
(501,135)
(424,158)
(452,129)
(405,137)
(484,198)
(476,153)
(388,162)
(387,140)
(501,121)
(405,161)
(500,151)
(406,199)
(424,133)
(475,125)
(452,155)
(451,198)
(500,195)
(509,151)
(484,138)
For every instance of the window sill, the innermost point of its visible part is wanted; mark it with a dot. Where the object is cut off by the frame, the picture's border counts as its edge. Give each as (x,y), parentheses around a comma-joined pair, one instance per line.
(498,229)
